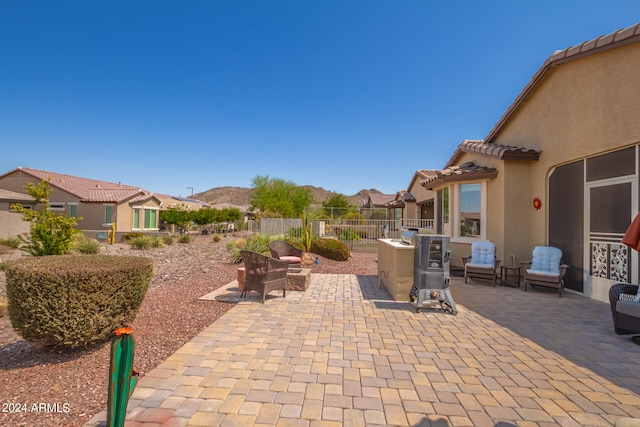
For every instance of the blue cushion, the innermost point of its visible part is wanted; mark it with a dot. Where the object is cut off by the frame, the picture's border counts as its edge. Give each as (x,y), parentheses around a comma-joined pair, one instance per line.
(483,253)
(546,260)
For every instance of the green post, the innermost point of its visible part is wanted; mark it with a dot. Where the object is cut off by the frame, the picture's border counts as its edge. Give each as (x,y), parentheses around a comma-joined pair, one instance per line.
(122,377)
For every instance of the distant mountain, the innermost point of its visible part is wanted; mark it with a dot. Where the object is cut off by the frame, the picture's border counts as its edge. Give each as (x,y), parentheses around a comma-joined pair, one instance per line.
(239,197)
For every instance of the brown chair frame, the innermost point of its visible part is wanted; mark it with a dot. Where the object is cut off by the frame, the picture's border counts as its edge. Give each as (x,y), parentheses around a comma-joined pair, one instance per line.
(547,281)
(264,274)
(281,248)
(484,273)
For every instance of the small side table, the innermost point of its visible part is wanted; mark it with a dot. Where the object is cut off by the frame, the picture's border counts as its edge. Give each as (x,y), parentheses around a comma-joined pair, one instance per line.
(510,270)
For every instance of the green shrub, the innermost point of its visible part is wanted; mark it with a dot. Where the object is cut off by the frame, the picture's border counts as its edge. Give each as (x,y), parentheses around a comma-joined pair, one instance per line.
(216,238)
(75,300)
(140,242)
(331,249)
(86,246)
(130,236)
(184,238)
(167,240)
(12,242)
(49,233)
(156,242)
(256,243)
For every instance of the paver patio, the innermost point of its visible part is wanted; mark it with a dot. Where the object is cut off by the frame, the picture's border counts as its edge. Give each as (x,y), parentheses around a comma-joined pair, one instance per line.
(343,353)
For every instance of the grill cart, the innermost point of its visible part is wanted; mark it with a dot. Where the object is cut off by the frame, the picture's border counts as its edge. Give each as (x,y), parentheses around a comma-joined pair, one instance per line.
(431,258)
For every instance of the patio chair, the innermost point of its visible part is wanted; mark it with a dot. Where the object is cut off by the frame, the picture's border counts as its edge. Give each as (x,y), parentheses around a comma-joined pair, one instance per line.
(263,274)
(286,251)
(625,309)
(545,269)
(482,264)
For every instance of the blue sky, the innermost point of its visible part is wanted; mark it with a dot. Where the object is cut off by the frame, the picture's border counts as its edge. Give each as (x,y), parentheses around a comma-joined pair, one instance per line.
(344,95)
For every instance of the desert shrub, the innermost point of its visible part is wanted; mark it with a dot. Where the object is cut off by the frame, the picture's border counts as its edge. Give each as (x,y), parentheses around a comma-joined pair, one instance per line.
(49,233)
(257,243)
(75,300)
(216,238)
(140,242)
(12,242)
(184,238)
(3,306)
(130,236)
(156,241)
(86,246)
(331,249)
(167,240)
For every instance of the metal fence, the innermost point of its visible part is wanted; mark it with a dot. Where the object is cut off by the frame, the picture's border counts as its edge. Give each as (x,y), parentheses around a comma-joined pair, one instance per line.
(360,235)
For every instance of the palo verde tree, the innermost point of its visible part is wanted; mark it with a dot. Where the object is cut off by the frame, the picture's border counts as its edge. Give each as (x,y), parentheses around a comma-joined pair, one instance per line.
(337,205)
(278,196)
(50,233)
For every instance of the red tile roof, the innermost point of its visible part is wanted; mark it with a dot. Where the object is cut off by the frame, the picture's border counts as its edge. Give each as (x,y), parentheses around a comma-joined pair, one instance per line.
(465,172)
(89,190)
(380,199)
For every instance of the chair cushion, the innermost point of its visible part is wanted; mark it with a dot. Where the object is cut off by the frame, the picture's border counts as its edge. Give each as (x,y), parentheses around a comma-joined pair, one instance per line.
(484,266)
(292,259)
(546,259)
(483,253)
(542,273)
(630,308)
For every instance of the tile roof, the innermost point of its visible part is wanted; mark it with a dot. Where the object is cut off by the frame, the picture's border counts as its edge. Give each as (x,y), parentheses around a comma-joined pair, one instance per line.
(613,40)
(15,197)
(463,172)
(498,151)
(89,190)
(380,199)
(402,196)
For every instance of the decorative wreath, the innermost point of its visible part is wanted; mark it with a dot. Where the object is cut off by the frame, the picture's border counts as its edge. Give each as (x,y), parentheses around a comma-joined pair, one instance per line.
(537,204)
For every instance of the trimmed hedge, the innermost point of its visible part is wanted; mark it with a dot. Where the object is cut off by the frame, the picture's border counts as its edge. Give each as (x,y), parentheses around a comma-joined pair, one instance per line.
(331,249)
(75,300)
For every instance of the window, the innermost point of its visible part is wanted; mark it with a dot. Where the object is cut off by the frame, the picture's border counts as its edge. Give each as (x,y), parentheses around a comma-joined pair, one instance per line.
(56,206)
(150,218)
(443,211)
(136,218)
(108,213)
(73,211)
(470,210)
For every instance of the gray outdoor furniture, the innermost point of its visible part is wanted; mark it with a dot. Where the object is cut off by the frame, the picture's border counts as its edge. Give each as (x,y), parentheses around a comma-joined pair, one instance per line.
(264,274)
(624,309)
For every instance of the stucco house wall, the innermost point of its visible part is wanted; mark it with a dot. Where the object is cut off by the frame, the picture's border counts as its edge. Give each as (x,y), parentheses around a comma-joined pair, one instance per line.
(581,104)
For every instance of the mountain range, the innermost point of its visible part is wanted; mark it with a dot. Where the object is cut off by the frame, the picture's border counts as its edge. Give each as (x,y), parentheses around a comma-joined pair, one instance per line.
(220,197)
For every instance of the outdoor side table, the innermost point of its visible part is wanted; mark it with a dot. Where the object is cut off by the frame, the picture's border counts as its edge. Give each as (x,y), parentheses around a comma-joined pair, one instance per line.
(512,271)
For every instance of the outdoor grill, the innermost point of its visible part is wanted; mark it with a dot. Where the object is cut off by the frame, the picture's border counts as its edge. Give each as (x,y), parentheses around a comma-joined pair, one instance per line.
(431,258)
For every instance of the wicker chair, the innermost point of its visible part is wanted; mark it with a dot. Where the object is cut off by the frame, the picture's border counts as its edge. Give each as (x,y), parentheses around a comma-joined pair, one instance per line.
(482,264)
(285,251)
(625,311)
(545,269)
(264,274)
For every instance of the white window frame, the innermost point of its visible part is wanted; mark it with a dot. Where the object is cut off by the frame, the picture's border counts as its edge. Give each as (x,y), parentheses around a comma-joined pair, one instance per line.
(454,211)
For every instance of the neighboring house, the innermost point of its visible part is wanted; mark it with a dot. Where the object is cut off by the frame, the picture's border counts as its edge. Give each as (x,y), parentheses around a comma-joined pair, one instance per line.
(376,203)
(100,204)
(561,167)
(416,201)
(11,223)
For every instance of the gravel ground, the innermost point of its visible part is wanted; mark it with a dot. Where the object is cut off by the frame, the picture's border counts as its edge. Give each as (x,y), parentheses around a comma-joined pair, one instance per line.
(40,388)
